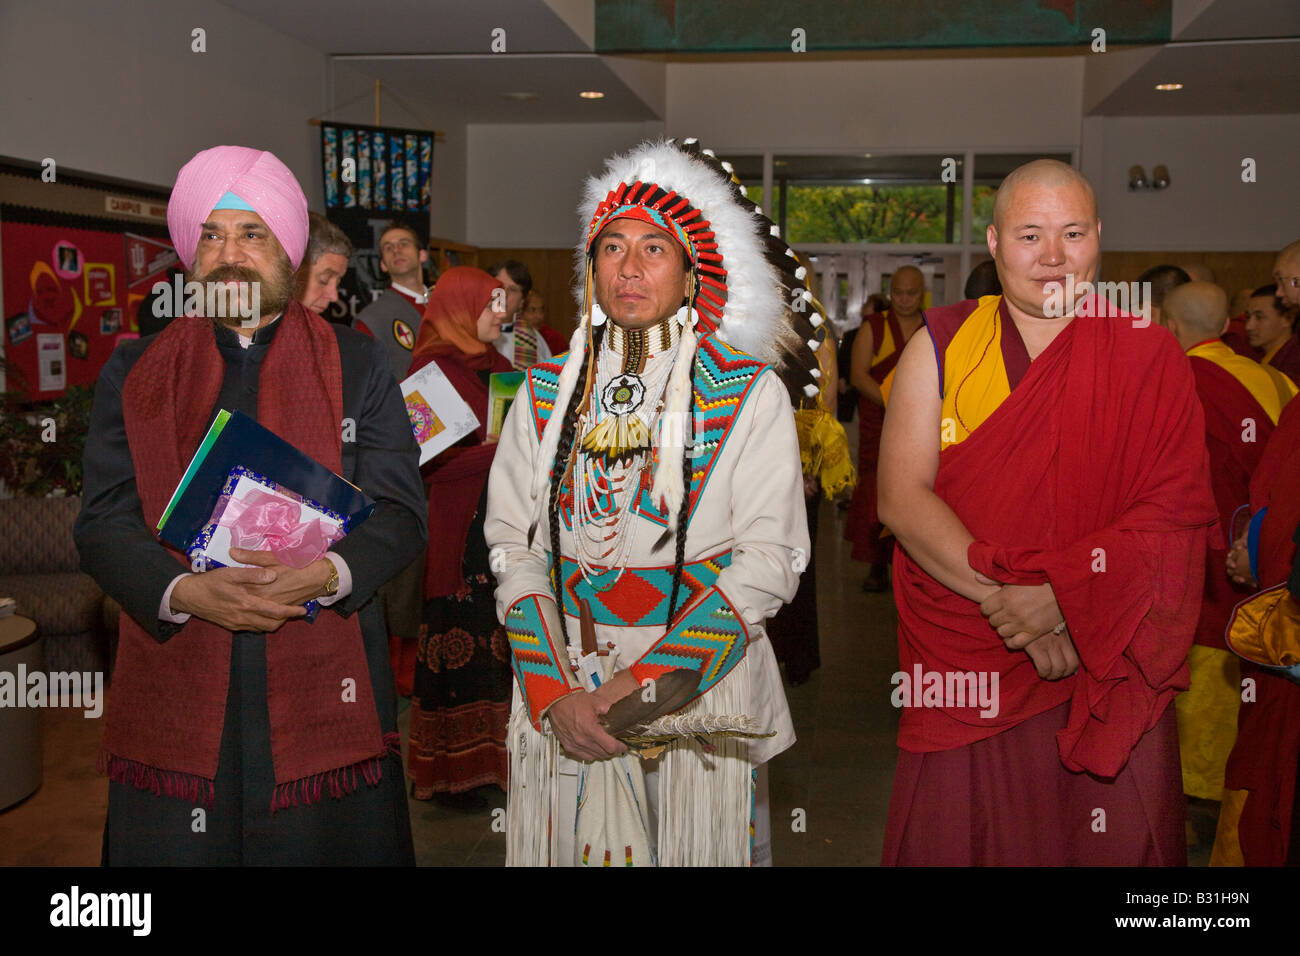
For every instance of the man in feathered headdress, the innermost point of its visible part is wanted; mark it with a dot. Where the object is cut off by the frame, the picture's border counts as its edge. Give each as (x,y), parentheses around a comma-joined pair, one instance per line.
(647,496)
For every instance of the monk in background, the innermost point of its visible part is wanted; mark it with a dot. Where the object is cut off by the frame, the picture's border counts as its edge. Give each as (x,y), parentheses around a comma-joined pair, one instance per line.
(1242,401)
(1259,824)
(1161,280)
(1048,484)
(1269,331)
(876,349)
(1270,326)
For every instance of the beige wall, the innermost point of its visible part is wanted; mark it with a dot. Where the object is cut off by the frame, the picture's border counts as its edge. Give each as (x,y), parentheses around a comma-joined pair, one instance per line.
(524,181)
(1206,205)
(114,88)
(937,103)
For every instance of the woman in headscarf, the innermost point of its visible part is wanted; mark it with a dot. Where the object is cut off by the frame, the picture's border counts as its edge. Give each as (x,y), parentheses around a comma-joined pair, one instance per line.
(462,677)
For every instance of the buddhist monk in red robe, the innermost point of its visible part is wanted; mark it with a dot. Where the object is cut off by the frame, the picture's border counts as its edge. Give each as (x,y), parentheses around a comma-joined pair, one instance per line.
(876,349)
(1258,825)
(1269,329)
(1242,400)
(1044,469)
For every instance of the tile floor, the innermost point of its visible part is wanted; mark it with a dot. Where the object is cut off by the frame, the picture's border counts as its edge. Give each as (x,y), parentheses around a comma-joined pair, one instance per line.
(839,772)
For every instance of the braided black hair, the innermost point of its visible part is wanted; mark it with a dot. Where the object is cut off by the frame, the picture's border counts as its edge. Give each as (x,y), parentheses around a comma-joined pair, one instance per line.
(568,434)
(688,438)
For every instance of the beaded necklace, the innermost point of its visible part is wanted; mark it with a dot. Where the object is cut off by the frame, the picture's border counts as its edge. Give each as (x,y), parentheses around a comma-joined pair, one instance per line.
(614,444)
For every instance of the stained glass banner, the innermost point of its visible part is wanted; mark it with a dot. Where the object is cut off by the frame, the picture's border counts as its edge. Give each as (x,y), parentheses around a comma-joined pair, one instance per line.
(379,169)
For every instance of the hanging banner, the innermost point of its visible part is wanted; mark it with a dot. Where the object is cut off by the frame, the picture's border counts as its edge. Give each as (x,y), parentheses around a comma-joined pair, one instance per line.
(376,169)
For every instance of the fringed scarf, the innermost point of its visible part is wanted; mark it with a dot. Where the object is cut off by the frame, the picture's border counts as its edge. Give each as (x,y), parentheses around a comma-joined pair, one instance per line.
(167,706)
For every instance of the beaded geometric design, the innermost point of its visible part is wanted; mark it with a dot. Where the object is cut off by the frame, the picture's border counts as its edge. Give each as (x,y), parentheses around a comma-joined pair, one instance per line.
(710,638)
(534,656)
(723,380)
(640,598)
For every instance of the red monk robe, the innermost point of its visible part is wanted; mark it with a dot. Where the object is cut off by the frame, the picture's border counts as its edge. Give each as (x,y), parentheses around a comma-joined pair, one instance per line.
(1241,400)
(1264,758)
(1285,358)
(1091,474)
(862,525)
(1235,337)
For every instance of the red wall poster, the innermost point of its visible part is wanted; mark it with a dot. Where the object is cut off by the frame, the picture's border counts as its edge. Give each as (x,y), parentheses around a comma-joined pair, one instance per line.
(70,295)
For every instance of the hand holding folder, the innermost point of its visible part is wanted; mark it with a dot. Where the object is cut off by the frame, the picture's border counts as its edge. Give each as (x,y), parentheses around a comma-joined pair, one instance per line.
(246,485)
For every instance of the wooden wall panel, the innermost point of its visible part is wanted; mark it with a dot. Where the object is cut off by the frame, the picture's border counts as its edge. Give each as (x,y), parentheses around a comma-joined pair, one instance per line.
(552,272)
(1232,270)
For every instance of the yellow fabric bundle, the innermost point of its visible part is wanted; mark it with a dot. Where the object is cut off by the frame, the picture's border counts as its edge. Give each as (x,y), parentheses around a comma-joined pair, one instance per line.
(824,451)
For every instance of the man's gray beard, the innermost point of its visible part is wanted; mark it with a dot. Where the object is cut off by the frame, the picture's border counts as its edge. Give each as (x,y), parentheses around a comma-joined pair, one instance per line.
(274,294)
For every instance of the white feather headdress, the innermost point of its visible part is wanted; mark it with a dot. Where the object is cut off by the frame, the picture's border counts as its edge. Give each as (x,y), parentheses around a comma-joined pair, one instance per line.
(750,288)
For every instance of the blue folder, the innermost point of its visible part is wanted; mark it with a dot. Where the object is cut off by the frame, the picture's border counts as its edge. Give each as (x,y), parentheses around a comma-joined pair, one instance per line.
(235,440)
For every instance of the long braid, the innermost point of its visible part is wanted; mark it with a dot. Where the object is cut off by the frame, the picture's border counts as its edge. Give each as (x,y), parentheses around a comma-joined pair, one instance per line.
(568,435)
(683,512)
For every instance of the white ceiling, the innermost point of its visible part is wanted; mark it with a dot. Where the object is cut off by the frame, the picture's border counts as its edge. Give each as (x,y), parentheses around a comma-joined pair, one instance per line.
(416,26)
(1244,19)
(1223,78)
(436,57)
(471,89)
(1234,57)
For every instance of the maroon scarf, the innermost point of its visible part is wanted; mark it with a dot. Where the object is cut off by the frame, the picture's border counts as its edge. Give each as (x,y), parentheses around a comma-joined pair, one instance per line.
(167,706)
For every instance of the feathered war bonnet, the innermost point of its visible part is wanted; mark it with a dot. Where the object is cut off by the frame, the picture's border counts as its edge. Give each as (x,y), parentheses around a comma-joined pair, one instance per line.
(748,288)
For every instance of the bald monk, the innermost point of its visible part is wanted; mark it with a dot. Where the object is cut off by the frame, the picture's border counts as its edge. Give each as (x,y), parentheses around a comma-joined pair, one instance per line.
(1286,274)
(1269,330)
(876,349)
(1242,401)
(1235,335)
(1162,280)
(1047,481)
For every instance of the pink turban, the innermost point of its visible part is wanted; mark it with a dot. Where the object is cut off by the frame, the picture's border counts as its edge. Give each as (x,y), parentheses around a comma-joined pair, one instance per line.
(255,176)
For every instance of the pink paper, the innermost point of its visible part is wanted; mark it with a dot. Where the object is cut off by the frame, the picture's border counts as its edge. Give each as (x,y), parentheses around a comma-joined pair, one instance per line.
(261,521)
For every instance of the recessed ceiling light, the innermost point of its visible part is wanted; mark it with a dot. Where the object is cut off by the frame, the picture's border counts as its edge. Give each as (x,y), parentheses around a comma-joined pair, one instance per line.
(592,95)
(1166,87)
(866,155)
(521,97)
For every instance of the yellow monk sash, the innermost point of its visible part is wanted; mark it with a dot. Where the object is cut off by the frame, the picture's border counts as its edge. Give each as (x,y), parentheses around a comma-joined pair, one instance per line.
(886,346)
(1271,388)
(975,379)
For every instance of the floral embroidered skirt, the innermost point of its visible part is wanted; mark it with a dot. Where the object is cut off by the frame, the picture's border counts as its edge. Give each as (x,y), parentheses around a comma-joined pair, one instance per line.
(462,694)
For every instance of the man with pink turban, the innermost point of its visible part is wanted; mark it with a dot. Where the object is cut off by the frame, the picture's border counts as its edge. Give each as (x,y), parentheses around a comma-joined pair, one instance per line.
(282,732)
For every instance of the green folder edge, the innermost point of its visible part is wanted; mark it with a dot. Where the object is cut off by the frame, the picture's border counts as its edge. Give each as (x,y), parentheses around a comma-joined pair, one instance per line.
(209,440)
(502,386)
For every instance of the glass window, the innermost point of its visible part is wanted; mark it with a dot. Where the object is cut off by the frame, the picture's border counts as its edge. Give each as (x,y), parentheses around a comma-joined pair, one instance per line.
(865,198)
(990,170)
